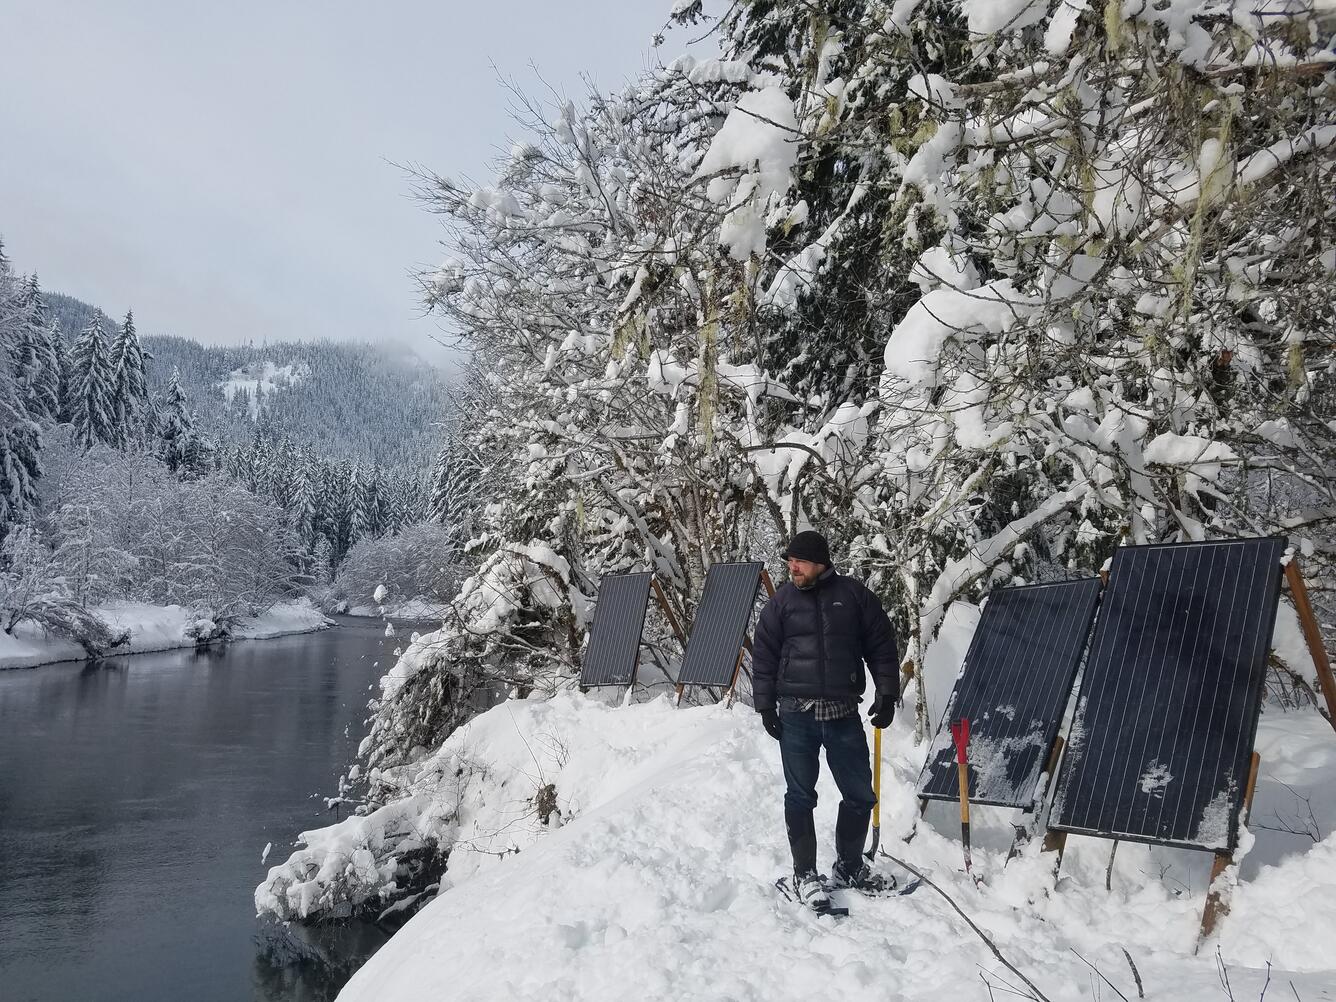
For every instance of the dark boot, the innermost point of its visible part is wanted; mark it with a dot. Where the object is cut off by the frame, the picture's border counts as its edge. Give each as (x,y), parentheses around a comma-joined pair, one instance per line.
(802,840)
(851,836)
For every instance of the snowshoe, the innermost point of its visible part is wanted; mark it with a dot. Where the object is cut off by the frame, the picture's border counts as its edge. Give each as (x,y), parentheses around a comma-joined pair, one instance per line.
(860,877)
(809,890)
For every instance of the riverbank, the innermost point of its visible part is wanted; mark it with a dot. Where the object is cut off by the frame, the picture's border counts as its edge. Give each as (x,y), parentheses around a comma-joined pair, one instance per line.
(419,609)
(153,628)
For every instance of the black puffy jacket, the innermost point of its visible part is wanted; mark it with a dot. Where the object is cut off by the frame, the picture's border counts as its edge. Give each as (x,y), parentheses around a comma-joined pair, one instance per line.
(813,643)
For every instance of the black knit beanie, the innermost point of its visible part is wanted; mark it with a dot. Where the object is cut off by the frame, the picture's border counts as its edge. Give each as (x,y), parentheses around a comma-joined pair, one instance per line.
(809,545)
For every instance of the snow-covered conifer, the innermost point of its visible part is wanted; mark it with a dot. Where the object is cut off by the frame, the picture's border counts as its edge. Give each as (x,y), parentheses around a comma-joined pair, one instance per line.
(20,434)
(178,440)
(129,384)
(92,404)
(43,356)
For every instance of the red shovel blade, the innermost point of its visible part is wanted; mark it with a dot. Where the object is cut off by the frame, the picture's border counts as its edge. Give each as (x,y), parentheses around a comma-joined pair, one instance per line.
(960,733)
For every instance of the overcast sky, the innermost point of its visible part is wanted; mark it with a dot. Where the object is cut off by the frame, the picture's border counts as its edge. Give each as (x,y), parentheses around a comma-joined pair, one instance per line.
(226,168)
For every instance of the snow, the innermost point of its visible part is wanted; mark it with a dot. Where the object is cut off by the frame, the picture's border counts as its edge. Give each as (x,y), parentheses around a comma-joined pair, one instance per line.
(1156,777)
(933,88)
(1203,455)
(658,875)
(759,136)
(1058,35)
(988,16)
(937,266)
(914,348)
(154,628)
(267,375)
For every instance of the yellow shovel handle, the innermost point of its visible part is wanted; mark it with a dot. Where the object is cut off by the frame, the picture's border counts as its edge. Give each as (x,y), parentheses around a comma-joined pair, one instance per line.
(876,776)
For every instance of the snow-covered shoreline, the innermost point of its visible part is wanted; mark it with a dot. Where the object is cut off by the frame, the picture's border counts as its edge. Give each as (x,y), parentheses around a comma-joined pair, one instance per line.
(581,831)
(576,825)
(154,628)
(418,609)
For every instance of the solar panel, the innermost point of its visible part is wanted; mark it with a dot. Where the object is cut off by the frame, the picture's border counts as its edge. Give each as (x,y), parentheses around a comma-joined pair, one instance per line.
(721,622)
(1167,710)
(1013,688)
(614,637)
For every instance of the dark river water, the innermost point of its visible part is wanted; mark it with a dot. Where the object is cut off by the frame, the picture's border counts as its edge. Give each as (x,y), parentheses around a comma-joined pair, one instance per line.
(136,797)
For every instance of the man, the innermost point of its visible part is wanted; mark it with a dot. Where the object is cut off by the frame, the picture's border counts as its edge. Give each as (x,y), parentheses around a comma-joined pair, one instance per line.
(812,642)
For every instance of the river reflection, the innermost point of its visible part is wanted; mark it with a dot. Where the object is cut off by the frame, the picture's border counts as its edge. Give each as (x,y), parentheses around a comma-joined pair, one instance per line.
(136,796)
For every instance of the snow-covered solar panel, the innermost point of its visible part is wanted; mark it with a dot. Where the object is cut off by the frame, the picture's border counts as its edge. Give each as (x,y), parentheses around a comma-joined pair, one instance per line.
(614,638)
(1167,711)
(721,624)
(1013,688)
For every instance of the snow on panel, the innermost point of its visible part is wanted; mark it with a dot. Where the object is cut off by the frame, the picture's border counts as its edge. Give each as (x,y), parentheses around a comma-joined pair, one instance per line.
(1169,700)
(1014,685)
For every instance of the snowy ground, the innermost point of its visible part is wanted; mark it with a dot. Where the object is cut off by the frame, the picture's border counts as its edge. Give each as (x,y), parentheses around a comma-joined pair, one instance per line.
(658,882)
(153,628)
(267,376)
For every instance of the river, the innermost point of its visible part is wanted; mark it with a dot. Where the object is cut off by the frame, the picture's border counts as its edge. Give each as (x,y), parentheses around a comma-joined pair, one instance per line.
(136,798)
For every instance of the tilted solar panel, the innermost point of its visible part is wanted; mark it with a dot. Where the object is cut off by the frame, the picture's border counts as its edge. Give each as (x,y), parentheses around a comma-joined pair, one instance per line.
(1167,710)
(1013,688)
(721,623)
(614,637)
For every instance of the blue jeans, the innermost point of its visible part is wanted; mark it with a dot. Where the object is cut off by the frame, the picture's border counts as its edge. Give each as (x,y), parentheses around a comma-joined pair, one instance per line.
(847,757)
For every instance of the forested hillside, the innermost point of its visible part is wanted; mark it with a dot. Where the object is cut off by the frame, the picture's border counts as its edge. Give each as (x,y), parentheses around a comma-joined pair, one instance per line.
(217,479)
(359,403)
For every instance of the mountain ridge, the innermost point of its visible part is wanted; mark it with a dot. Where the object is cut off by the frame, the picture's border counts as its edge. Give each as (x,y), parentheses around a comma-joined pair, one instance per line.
(359,402)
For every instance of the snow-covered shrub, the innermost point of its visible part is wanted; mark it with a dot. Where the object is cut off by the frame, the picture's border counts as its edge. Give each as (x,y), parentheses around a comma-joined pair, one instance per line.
(416,561)
(124,527)
(28,576)
(67,619)
(32,589)
(369,861)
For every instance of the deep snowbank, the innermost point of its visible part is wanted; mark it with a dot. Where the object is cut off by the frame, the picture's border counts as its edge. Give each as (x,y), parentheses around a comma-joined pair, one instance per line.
(658,881)
(153,628)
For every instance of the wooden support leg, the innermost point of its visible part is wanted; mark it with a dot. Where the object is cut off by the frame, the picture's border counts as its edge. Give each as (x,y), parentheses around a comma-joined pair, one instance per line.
(1034,813)
(737,669)
(1055,842)
(680,689)
(1217,897)
(769,585)
(1313,637)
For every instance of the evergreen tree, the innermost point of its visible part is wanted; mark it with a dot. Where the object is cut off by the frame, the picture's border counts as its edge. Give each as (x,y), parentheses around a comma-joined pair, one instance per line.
(64,393)
(306,507)
(358,514)
(92,404)
(20,435)
(44,357)
(129,384)
(179,443)
(339,523)
(368,514)
(457,492)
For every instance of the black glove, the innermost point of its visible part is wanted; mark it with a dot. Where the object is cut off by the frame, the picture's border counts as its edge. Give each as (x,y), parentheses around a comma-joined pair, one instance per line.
(770,719)
(882,711)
